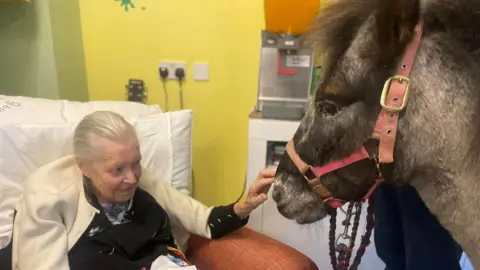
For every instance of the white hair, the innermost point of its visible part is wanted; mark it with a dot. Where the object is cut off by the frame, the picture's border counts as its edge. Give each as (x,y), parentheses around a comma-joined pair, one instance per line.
(105,124)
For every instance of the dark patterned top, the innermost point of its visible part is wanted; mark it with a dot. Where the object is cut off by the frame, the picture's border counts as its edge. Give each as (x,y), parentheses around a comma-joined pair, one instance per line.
(117,213)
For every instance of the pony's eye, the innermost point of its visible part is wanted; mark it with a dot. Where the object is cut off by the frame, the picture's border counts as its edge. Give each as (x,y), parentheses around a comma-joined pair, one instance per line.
(328,108)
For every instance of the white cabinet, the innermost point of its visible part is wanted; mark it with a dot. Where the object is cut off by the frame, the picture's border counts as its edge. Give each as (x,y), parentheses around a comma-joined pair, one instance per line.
(311,240)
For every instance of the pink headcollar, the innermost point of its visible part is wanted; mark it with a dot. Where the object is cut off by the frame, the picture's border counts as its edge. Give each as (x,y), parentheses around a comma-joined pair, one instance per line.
(319,171)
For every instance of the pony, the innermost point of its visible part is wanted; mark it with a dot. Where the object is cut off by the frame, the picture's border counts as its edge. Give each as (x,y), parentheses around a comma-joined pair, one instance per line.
(436,132)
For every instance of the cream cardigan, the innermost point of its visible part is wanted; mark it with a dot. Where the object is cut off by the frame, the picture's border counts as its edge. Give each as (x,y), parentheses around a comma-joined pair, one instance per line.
(53,213)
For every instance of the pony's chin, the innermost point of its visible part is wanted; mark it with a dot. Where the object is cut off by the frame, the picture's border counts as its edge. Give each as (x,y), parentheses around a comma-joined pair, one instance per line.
(309,218)
(305,217)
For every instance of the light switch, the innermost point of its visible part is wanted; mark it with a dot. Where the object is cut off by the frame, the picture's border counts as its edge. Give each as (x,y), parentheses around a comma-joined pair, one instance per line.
(201,71)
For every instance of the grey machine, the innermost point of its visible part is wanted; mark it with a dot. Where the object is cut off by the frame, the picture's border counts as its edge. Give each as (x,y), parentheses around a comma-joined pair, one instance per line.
(285,79)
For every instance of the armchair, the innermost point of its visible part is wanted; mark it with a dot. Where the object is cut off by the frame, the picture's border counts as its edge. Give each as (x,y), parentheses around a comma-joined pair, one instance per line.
(245,249)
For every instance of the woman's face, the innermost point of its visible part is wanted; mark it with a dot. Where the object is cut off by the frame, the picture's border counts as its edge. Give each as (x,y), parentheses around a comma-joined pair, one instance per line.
(115,176)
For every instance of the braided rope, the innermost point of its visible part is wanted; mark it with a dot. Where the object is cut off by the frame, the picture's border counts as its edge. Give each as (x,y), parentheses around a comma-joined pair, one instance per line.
(356,223)
(331,238)
(344,251)
(366,237)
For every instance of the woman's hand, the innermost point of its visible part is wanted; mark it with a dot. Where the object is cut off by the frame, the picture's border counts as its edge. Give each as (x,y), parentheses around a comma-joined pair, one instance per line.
(256,195)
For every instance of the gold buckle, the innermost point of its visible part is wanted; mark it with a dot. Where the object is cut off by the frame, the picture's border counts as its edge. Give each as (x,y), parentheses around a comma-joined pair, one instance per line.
(386,87)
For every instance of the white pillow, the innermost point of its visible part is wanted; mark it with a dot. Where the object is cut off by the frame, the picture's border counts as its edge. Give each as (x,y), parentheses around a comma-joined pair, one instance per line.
(19,109)
(165,144)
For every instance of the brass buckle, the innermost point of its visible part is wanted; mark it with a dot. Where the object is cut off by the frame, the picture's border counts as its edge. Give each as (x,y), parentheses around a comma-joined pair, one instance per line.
(386,87)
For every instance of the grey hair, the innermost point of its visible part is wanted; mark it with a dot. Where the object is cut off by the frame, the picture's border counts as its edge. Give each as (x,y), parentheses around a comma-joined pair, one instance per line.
(105,124)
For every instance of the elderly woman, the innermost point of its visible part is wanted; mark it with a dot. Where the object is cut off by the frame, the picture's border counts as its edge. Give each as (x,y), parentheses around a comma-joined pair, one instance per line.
(99,209)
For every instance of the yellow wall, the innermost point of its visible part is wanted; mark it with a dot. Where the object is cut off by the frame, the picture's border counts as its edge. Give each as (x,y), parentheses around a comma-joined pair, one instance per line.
(120,45)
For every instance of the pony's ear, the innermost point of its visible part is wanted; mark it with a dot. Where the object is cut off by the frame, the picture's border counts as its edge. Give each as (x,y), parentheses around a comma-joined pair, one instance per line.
(395,22)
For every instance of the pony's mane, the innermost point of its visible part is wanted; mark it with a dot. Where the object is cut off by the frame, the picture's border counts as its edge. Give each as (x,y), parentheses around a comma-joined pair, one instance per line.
(338,22)
(336,26)
(442,16)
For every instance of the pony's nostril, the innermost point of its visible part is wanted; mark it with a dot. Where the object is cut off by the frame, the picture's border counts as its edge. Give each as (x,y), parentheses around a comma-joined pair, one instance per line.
(277,194)
(281,209)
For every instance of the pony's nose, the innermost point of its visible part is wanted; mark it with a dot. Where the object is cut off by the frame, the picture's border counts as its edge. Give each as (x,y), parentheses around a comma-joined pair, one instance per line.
(277,194)
(282,209)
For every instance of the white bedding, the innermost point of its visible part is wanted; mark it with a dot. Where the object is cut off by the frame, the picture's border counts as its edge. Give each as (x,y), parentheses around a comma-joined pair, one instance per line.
(35,132)
(18,109)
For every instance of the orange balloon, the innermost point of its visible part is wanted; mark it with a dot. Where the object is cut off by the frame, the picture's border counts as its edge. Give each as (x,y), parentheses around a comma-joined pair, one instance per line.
(290,16)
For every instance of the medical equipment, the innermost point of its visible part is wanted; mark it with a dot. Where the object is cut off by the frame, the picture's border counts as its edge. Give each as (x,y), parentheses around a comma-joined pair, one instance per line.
(286,60)
(286,69)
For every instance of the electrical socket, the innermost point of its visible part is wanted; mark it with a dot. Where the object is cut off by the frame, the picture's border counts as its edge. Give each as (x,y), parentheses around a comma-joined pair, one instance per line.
(172,66)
